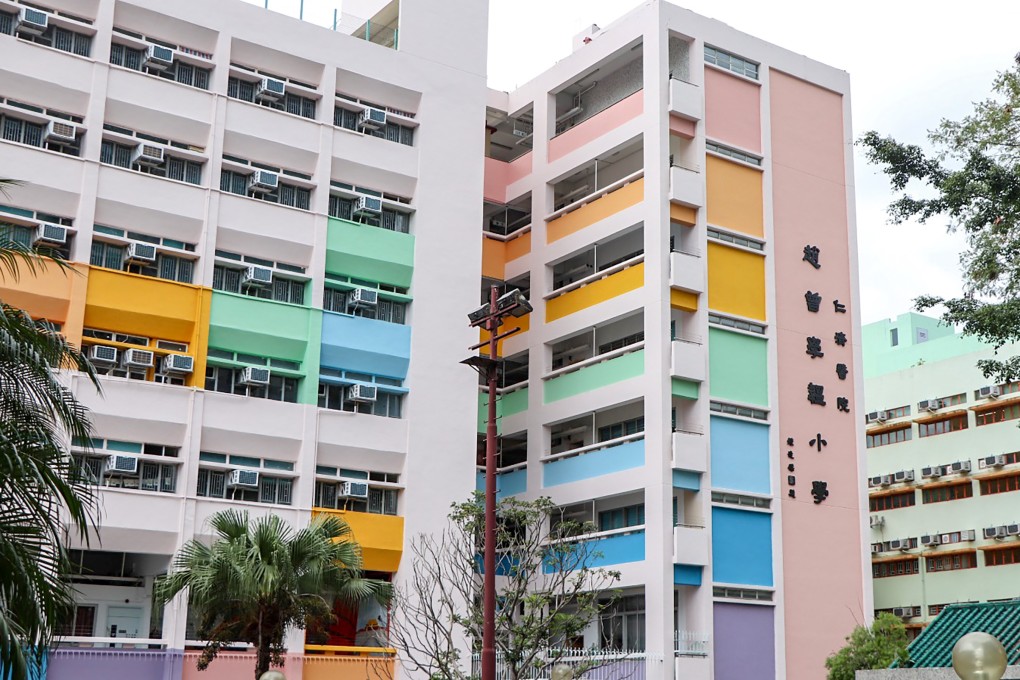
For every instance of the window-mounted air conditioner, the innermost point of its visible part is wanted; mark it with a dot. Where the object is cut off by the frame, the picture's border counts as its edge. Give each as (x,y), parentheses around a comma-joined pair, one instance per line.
(961,466)
(50,234)
(897,544)
(270,89)
(929,405)
(103,355)
(989,392)
(875,481)
(363,393)
(257,277)
(363,297)
(876,548)
(263,181)
(254,375)
(877,521)
(248,479)
(148,154)
(995,461)
(32,21)
(368,205)
(372,119)
(994,532)
(933,472)
(61,132)
(178,363)
(931,540)
(903,612)
(138,358)
(159,58)
(141,252)
(904,476)
(121,465)
(886,480)
(353,489)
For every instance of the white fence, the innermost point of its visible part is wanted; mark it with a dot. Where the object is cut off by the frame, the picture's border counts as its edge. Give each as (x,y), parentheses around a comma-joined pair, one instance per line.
(602,665)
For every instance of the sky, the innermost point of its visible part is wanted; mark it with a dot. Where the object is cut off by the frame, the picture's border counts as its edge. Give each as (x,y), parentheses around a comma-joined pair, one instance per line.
(911,63)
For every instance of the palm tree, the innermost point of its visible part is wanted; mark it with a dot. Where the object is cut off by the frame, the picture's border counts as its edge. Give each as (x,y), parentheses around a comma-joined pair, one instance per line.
(261,577)
(37,477)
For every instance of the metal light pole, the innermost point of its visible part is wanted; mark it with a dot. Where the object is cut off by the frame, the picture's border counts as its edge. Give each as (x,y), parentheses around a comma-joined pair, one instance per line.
(489,316)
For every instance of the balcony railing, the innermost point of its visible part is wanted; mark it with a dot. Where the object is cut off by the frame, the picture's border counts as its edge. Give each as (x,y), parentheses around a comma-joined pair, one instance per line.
(593,447)
(344,650)
(596,195)
(110,642)
(597,359)
(690,643)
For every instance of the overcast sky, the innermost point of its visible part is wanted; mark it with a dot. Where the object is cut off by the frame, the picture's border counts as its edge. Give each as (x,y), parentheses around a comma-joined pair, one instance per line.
(910,62)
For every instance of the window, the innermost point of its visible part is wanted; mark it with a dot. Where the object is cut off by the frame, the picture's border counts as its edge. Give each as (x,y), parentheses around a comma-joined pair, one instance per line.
(115,153)
(379,501)
(229,280)
(228,381)
(625,341)
(150,475)
(997,558)
(619,518)
(894,337)
(953,424)
(82,622)
(736,240)
(739,324)
(731,62)
(34,134)
(732,153)
(742,411)
(56,37)
(952,562)
(271,490)
(107,255)
(621,429)
(753,594)
(740,499)
(952,492)
(899,412)
(998,415)
(14,233)
(622,626)
(343,209)
(1000,484)
(392,132)
(291,103)
(902,434)
(180,72)
(174,268)
(903,499)
(285,194)
(335,300)
(334,397)
(891,568)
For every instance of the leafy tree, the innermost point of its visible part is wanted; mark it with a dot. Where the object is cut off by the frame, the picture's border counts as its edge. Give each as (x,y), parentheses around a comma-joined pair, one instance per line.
(38,481)
(870,648)
(548,591)
(261,577)
(973,179)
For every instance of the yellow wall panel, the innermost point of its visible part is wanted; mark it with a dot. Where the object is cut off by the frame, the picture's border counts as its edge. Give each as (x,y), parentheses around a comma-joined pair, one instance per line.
(493,258)
(381,538)
(595,292)
(524,323)
(736,281)
(684,214)
(518,247)
(683,299)
(52,292)
(734,196)
(597,210)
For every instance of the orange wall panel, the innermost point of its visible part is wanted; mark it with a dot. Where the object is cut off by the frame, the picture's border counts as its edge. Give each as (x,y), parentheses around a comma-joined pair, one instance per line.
(493,258)
(734,197)
(52,292)
(518,247)
(599,209)
(684,214)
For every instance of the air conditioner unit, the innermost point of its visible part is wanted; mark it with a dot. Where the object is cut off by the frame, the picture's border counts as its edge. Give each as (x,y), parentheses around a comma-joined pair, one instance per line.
(886,480)
(271,89)
(141,252)
(995,461)
(931,539)
(995,532)
(59,131)
(877,521)
(103,355)
(966,535)
(876,548)
(368,205)
(353,489)
(961,466)
(139,358)
(178,363)
(263,181)
(882,416)
(989,392)
(364,393)
(372,119)
(934,472)
(257,277)
(244,478)
(32,21)
(874,481)
(148,154)
(121,465)
(904,476)
(903,612)
(905,544)
(897,544)
(929,405)
(1013,529)
(159,58)
(363,297)
(254,375)
(51,234)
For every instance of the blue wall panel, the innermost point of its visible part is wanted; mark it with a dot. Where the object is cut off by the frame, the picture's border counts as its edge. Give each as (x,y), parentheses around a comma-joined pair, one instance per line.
(741,547)
(687,575)
(685,479)
(365,345)
(602,462)
(740,455)
(616,549)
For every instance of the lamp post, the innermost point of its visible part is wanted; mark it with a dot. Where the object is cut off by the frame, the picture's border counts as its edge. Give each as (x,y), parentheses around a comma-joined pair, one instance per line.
(979,656)
(273,675)
(489,316)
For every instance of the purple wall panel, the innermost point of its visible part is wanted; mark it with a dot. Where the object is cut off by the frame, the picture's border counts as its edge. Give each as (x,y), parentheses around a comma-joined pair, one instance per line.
(104,664)
(745,644)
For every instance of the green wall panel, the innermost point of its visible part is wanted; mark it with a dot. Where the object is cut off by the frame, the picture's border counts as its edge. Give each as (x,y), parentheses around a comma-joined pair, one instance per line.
(738,367)
(684,388)
(371,253)
(595,376)
(506,405)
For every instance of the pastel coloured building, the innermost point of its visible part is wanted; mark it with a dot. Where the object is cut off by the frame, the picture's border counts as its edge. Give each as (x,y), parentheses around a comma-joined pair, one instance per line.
(674,197)
(260,215)
(942,469)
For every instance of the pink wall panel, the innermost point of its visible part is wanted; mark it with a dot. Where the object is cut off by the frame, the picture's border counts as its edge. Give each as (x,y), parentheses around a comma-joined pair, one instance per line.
(596,126)
(520,168)
(732,110)
(682,127)
(496,174)
(821,542)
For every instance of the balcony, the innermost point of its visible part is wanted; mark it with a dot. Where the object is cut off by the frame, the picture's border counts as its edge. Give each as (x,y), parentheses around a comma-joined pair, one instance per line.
(592,290)
(364,345)
(241,323)
(510,481)
(381,537)
(509,401)
(690,451)
(120,510)
(597,372)
(617,546)
(362,251)
(167,202)
(687,271)
(232,423)
(342,434)
(62,80)
(594,460)
(685,100)
(686,186)
(270,230)
(67,663)
(597,126)
(614,196)
(162,412)
(184,113)
(345,663)
(689,360)
(51,293)
(690,545)
(49,180)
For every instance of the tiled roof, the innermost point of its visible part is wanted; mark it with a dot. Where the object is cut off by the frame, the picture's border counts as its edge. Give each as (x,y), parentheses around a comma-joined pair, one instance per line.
(934,646)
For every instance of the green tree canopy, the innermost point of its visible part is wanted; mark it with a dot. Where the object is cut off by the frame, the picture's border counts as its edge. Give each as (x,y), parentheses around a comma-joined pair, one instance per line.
(870,648)
(261,577)
(971,177)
